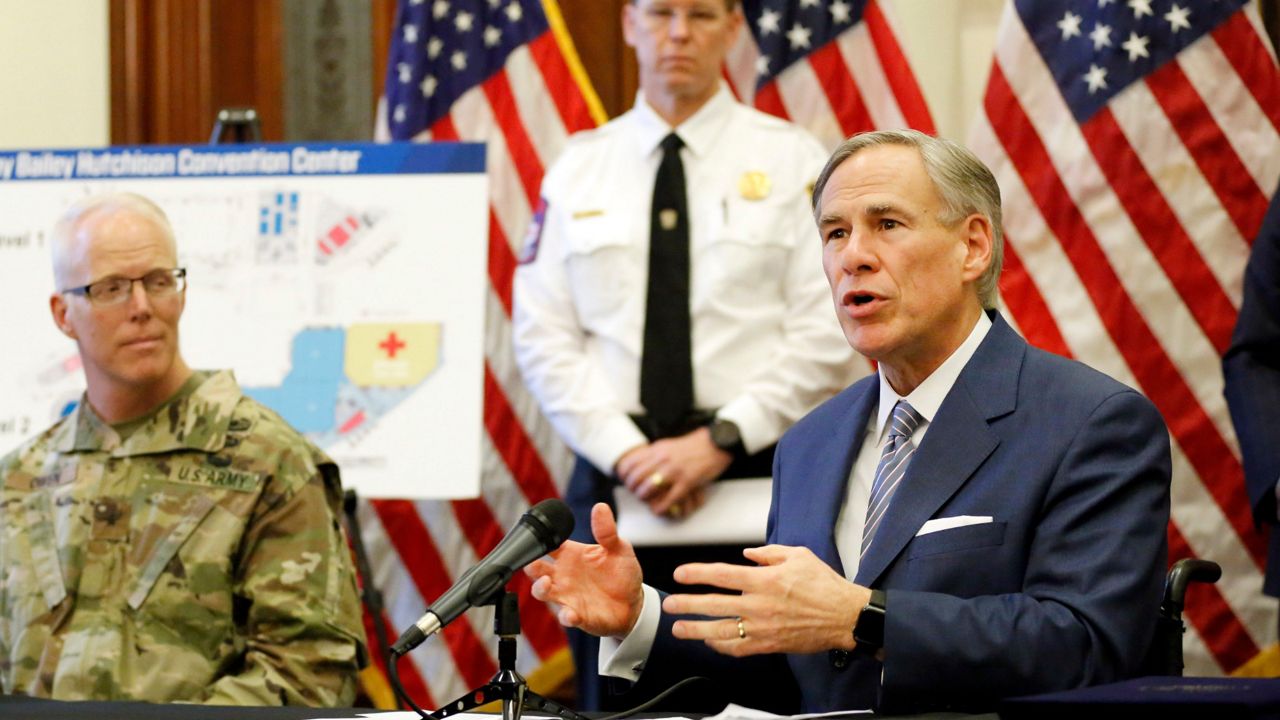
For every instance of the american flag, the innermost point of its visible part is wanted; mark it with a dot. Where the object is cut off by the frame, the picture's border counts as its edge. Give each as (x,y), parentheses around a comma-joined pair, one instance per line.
(832,66)
(502,72)
(1136,145)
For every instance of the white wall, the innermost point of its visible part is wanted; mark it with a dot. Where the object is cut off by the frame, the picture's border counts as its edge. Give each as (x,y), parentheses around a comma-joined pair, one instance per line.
(54,73)
(949,44)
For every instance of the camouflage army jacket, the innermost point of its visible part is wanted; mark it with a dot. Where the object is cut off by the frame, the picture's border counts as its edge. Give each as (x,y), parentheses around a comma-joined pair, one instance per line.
(199,560)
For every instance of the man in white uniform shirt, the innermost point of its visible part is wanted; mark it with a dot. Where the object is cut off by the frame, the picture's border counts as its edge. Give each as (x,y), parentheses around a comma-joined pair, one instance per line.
(751,347)
(981,520)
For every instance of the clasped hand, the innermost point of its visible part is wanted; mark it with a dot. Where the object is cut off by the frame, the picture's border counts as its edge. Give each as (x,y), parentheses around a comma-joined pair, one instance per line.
(671,475)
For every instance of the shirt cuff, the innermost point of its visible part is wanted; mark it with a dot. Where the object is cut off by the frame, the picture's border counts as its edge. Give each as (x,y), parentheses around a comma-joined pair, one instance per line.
(625,658)
(610,440)
(752,421)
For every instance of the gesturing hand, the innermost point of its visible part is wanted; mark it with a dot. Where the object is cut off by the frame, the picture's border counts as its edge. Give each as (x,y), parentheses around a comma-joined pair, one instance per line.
(597,587)
(791,602)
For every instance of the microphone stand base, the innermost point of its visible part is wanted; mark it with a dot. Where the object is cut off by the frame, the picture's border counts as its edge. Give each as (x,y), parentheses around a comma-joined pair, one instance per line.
(509,687)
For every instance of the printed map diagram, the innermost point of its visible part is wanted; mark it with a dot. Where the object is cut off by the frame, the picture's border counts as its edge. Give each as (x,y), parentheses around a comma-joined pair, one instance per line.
(343,380)
(352,306)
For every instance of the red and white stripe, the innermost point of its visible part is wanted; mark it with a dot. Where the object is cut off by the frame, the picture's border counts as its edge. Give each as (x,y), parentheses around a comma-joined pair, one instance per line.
(1126,243)
(524,113)
(859,81)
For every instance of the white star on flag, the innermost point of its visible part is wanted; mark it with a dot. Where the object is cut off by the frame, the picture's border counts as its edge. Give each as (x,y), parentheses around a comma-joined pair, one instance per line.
(769,22)
(492,36)
(440,9)
(1101,36)
(799,36)
(458,60)
(463,22)
(1097,78)
(1177,18)
(1136,46)
(1069,25)
(411,34)
(1140,8)
(428,85)
(841,13)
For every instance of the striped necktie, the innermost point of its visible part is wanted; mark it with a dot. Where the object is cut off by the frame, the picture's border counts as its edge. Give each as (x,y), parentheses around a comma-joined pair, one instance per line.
(894,460)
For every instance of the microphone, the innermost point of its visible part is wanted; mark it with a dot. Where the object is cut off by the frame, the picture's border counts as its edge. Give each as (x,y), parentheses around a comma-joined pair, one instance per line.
(543,528)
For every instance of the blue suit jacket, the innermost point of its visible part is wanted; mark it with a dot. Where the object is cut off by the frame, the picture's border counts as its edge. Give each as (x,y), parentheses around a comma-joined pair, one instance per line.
(1252,371)
(1060,590)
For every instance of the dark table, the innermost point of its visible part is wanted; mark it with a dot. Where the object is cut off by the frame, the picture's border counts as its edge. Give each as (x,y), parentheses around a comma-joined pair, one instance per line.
(25,708)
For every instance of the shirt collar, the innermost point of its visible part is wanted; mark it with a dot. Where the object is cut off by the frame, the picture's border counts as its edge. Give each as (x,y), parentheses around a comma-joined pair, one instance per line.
(196,420)
(928,395)
(699,132)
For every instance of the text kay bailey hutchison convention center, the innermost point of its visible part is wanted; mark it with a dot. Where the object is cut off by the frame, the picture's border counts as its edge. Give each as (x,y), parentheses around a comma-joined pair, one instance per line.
(162,162)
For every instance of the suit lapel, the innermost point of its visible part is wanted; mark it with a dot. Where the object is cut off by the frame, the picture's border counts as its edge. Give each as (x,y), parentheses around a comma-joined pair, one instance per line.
(829,477)
(957,442)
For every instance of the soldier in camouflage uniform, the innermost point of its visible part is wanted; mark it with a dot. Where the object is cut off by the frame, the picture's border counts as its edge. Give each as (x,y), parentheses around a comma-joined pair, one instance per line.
(171,539)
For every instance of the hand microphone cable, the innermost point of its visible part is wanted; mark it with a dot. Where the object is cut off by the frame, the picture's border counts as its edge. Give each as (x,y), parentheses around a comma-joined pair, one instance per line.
(655,700)
(394,675)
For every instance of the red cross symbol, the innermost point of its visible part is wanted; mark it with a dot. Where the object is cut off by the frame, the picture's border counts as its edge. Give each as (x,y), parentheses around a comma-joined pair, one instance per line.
(391,344)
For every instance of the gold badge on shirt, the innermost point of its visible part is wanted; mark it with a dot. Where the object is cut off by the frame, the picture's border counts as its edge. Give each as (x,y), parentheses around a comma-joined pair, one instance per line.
(754,185)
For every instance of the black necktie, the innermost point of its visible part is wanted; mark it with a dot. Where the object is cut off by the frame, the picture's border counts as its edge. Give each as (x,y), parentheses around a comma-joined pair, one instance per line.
(666,367)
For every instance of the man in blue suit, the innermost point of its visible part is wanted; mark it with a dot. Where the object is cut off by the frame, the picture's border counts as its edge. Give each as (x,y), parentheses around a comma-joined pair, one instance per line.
(979,519)
(1252,371)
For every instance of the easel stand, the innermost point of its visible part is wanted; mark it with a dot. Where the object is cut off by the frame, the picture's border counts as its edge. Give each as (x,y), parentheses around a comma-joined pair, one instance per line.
(507,685)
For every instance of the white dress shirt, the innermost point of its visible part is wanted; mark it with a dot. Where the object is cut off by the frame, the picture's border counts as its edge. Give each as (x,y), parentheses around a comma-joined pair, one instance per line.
(625,659)
(766,346)
(926,399)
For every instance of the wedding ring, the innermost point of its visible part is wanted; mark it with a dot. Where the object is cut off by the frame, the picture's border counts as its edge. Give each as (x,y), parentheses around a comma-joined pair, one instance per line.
(656,480)
(675,512)
(742,630)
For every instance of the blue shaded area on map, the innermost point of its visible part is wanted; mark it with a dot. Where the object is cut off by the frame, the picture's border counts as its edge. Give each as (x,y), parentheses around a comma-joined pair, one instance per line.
(308,397)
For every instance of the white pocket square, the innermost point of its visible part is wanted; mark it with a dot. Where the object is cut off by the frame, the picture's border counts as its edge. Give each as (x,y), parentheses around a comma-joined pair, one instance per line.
(949,523)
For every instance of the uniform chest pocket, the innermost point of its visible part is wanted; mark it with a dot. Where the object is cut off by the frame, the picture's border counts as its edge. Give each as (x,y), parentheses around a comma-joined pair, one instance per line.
(601,263)
(165,517)
(186,540)
(747,258)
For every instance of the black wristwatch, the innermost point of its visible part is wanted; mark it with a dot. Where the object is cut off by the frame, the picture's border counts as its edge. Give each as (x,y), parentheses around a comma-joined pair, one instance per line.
(726,436)
(868,632)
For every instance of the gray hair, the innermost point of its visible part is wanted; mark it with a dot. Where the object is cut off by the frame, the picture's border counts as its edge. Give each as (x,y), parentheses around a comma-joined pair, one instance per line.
(94,206)
(964,183)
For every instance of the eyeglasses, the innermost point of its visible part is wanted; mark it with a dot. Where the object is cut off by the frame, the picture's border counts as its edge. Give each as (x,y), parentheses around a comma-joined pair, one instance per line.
(115,289)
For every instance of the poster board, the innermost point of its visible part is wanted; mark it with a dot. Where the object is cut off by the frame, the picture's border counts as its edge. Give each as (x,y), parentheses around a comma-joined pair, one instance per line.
(344,284)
